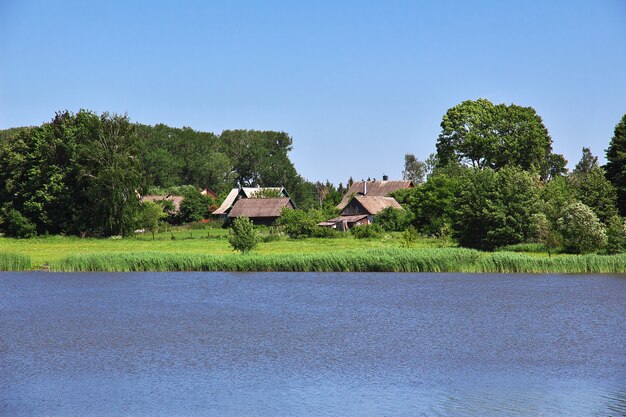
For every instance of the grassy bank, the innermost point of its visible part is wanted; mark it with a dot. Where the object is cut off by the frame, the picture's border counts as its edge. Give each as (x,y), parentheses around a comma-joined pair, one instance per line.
(14,262)
(364,260)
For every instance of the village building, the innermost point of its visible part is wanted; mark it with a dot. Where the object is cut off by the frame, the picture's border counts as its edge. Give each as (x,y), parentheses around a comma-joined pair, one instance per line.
(209,193)
(174,199)
(374,188)
(360,210)
(263,211)
(243,193)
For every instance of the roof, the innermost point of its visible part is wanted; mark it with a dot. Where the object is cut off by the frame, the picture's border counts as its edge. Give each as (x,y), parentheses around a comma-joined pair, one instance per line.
(228,202)
(175,199)
(251,191)
(248,192)
(348,219)
(374,188)
(259,207)
(375,204)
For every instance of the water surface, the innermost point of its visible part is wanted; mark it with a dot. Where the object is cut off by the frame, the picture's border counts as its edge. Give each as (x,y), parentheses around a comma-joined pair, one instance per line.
(292,344)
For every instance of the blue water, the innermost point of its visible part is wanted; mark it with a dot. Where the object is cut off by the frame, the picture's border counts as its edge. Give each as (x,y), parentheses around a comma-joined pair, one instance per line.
(291,344)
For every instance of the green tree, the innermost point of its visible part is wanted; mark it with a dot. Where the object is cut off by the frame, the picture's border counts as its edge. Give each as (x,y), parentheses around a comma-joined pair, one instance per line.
(592,188)
(414,169)
(493,208)
(432,203)
(16,225)
(299,224)
(544,232)
(616,235)
(150,216)
(581,230)
(616,164)
(393,220)
(111,173)
(194,206)
(78,174)
(243,237)
(485,135)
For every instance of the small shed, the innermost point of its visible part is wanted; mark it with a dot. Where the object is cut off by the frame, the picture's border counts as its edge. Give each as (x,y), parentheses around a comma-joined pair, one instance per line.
(260,210)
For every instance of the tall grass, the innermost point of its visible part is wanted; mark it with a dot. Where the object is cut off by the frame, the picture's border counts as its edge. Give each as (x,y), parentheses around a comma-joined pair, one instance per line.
(363,260)
(14,262)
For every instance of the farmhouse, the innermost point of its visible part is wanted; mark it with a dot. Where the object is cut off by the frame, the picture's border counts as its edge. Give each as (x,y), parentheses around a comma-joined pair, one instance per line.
(260,210)
(175,199)
(242,193)
(360,210)
(374,188)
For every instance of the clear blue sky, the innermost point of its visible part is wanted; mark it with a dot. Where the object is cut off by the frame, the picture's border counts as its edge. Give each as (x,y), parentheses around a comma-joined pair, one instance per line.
(357,84)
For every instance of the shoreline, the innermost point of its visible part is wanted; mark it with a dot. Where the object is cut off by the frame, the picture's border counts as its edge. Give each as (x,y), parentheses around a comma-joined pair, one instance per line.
(459,260)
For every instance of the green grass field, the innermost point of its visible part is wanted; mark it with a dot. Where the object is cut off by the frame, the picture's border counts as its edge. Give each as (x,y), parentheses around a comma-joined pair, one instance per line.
(48,250)
(208,250)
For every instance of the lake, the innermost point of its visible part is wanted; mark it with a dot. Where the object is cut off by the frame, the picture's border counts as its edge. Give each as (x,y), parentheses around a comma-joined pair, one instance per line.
(307,344)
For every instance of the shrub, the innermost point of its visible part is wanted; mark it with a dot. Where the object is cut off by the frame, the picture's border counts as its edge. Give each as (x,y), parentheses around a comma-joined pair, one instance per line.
(243,237)
(299,224)
(367,231)
(616,235)
(16,225)
(409,237)
(394,220)
(581,230)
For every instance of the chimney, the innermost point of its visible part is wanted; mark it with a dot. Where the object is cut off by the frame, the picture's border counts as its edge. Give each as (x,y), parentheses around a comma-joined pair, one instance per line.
(385,177)
(364,187)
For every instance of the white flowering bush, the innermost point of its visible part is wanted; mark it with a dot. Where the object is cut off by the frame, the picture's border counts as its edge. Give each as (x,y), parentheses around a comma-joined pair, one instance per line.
(581,230)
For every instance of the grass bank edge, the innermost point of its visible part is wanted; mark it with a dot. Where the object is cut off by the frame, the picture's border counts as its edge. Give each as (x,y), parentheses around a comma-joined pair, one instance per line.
(14,262)
(360,260)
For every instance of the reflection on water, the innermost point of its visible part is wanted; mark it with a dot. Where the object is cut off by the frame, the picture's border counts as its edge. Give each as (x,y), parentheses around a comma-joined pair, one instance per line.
(274,344)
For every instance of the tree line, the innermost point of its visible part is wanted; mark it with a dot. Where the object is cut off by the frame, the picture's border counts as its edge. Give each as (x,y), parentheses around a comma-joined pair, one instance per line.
(493,181)
(80,173)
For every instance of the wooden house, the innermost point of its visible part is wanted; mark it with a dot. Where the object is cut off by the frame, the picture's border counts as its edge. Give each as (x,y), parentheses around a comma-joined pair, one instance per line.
(237,194)
(260,210)
(175,199)
(360,210)
(374,188)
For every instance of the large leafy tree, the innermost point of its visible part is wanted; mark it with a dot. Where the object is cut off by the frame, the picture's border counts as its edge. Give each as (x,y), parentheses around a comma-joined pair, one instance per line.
(616,164)
(172,157)
(494,208)
(592,188)
(484,135)
(77,174)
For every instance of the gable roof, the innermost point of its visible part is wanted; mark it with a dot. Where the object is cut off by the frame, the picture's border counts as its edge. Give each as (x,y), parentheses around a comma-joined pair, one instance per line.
(175,199)
(245,192)
(259,207)
(251,191)
(228,202)
(374,188)
(375,204)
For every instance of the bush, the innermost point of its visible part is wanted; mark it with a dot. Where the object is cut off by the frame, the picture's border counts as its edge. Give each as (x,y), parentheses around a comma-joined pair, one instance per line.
(409,237)
(194,207)
(616,235)
(243,237)
(394,220)
(16,225)
(299,224)
(367,231)
(581,230)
